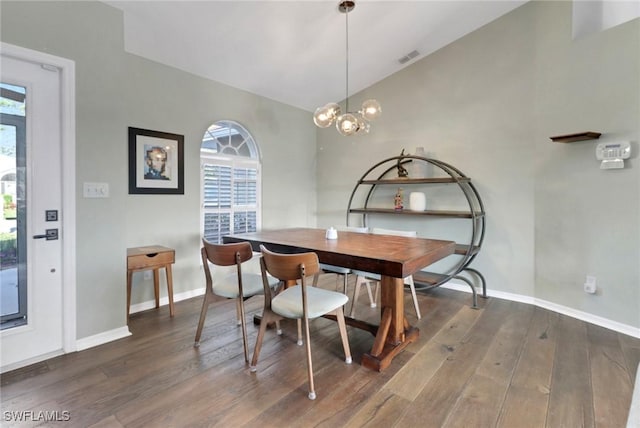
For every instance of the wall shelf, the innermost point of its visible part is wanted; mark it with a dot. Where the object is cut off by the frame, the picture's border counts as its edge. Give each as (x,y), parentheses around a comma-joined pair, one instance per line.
(580,136)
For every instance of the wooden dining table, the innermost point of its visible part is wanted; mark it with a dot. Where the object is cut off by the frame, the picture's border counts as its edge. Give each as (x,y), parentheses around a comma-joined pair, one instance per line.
(393,257)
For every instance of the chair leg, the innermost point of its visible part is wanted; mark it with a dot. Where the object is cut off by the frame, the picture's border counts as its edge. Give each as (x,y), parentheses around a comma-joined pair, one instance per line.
(342,326)
(356,293)
(208,298)
(312,391)
(299,332)
(414,296)
(243,325)
(267,317)
(239,312)
(373,297)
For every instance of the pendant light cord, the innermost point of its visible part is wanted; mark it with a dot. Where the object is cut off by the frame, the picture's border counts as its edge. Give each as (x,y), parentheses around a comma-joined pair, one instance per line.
(347,61)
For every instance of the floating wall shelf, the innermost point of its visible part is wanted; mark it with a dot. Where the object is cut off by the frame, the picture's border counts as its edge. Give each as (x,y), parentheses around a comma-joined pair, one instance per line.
(580,136)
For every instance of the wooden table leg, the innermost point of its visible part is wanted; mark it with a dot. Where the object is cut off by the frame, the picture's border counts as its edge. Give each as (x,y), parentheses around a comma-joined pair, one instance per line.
(129,278)
(170,288)
(156,285)
(394,333)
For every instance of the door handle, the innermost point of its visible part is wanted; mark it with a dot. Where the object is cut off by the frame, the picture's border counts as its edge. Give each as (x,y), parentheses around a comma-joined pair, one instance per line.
(50,235)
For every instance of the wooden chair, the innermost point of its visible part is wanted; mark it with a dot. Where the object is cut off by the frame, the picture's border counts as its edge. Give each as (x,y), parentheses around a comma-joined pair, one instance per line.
(368,277)
(298,301)
(238,285)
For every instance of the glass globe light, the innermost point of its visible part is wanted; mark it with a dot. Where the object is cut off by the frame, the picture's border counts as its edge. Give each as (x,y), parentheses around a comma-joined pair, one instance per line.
(371,109)
(363,126)
(324,116)
(347,124)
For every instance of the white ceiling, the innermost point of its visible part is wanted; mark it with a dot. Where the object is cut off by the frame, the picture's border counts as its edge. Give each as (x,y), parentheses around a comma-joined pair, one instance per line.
(294,51)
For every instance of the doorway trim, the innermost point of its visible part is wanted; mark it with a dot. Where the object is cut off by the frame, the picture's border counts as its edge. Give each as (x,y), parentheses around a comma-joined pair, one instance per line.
(68,220)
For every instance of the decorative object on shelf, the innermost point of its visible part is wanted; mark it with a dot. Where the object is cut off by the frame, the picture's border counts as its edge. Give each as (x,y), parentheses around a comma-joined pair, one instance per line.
(419,167)
(398,203)
(402,171)
(347,123)
(417,201)
(580,136)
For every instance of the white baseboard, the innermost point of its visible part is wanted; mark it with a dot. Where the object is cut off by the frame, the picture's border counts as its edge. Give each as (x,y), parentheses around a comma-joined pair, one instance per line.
(29,361)
(150,304)
(119,333)
(101,338)
(564,310)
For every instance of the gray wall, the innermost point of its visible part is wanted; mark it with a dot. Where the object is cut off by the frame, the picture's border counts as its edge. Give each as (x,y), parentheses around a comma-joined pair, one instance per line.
(116,90)
(488,104)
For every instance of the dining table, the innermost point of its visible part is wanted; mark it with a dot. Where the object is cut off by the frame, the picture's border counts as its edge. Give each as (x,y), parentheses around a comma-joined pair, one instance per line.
(392,257)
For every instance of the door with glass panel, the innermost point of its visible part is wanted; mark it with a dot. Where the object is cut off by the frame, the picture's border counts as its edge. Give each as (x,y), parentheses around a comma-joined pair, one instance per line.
(30,234)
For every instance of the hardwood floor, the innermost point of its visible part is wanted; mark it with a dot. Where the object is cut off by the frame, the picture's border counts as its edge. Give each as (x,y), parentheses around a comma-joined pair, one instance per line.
(506,365)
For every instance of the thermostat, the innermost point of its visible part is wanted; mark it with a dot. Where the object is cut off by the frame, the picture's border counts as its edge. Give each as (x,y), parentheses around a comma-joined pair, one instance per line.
(612,155)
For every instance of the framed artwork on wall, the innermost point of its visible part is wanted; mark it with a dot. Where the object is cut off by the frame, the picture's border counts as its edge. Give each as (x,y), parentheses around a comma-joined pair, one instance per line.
(156,162)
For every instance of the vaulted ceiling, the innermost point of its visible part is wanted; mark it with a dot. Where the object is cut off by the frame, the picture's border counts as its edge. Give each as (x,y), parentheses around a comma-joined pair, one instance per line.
(295,51)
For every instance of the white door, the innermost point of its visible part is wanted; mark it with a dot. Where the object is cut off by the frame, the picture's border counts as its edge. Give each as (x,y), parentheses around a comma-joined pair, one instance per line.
(39,226)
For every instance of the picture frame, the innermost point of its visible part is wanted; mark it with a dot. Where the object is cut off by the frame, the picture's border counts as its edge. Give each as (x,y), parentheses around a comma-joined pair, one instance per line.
(156,162)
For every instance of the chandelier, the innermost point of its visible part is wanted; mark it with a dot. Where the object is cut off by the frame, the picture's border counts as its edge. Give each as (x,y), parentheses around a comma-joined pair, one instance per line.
(348,123)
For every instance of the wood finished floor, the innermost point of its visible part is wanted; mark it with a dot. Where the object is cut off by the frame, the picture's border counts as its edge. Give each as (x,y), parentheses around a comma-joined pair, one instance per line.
(506,365)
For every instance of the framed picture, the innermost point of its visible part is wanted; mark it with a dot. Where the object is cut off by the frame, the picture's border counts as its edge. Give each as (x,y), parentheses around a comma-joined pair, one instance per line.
(156,162)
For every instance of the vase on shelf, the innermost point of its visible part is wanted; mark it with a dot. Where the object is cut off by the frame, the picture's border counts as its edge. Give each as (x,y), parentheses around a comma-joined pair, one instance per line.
(417,201)
(419,167)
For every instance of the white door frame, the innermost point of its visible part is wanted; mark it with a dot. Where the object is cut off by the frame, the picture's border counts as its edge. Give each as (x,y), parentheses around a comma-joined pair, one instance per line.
(68,218)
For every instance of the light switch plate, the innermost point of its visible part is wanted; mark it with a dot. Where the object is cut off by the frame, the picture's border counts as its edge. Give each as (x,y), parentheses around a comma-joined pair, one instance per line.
(95,190)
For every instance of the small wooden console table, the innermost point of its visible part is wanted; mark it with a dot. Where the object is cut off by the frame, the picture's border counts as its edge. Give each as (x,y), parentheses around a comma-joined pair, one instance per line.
(153,257)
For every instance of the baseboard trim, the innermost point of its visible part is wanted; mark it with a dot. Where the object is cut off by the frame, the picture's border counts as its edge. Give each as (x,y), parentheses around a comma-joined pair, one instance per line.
(29,361)
(102,338)
(151,304)
(108,336)
(564,310)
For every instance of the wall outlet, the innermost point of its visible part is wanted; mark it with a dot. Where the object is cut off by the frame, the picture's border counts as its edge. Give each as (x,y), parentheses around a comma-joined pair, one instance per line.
(590,285)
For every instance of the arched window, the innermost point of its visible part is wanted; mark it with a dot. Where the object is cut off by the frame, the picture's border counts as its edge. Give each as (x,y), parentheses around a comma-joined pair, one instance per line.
(230,177)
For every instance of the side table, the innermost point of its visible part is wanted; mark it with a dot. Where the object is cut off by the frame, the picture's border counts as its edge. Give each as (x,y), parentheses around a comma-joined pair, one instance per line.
(153,257)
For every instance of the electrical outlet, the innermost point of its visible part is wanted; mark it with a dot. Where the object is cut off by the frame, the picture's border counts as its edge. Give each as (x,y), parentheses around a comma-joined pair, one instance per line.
(590,285)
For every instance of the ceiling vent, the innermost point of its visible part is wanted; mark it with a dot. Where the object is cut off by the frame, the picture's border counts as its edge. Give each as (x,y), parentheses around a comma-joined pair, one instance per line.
(408,57)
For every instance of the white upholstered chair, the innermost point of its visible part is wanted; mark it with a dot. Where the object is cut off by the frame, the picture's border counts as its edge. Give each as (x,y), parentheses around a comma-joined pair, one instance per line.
(368,277)
(298,301)
(343,272)
(238,285)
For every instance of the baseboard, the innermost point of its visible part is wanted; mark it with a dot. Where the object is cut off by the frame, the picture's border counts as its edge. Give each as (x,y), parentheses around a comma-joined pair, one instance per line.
(102,338)
(29,361)
(151,304)
(564,310)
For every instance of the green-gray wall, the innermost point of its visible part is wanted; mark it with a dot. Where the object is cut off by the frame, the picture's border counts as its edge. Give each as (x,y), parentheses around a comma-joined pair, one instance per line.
(116,90)
(488,104)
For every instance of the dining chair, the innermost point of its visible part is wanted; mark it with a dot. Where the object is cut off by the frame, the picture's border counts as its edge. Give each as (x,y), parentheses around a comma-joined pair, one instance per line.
(343,272)
(239,285)
(298,301)
(368,277)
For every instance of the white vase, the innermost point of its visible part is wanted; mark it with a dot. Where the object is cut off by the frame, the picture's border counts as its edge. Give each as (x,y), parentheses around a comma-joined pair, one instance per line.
(417,201)
(419,167)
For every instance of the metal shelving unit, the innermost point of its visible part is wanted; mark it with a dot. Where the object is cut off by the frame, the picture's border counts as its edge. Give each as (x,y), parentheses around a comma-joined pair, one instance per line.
(382,174)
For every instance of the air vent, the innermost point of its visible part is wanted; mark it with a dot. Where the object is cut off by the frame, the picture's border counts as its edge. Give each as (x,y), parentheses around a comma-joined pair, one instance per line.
(408,57)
